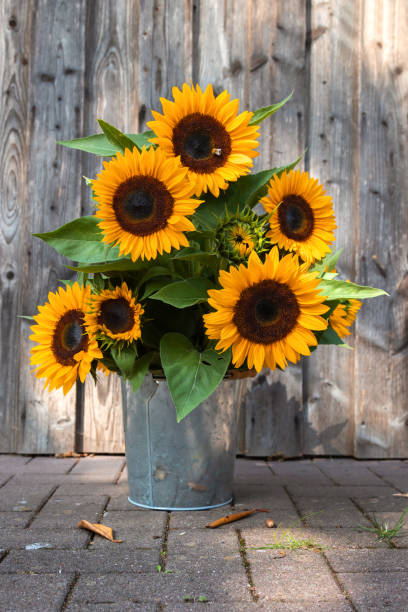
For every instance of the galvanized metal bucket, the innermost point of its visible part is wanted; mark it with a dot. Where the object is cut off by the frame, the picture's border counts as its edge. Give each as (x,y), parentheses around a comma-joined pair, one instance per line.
(180,466)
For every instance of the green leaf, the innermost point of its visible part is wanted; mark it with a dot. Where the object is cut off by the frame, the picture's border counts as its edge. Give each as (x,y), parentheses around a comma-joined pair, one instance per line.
(191,254)
(338,290)
(140,369)
(329,336)
(154,285)
(262,113)
(184,293)
(26,317)
(246,191)
(327,263)
(151,273)
(117,265)
(98,144)
(116,137)
(80,240)
(125,359)
(191,376)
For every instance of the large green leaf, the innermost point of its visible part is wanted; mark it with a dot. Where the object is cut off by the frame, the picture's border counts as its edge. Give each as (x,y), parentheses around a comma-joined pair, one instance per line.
(262,113)
(98,144)
(119,140)
(182,294)
(329,336)
(125,359)
(80,240)
(339,290)
(191,376)
(246,191)
(192,254)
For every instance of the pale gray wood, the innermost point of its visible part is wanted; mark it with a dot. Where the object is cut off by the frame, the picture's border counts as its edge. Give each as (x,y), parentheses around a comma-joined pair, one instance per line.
(381,409)
(334,160)
(111,94)
(276,52)
(14,82)
(52,197)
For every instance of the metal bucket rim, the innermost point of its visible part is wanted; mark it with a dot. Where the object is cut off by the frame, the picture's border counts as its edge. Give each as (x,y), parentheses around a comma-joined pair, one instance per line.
(168,509)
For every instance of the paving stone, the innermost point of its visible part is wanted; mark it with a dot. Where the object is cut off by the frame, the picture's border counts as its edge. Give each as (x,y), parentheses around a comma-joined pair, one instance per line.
(99,468)
(330,513)
(215,583)
(341,539)
(12,538)
(137,529)
(70,486)
(299,472)
(231,606)
(376,591)
(361,561)
(13,463)
(382,504)
(23,498)
(213,544)
(253,472)
(255,496)
(10,520)
(4,478)
(49,465)
(65,511)
(124,606)
(296,575)
(350,473)
(296,490)
(33,593)
(46,561)
(121,502)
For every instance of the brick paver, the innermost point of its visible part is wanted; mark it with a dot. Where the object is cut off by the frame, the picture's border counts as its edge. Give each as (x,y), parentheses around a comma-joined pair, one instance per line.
(47,563)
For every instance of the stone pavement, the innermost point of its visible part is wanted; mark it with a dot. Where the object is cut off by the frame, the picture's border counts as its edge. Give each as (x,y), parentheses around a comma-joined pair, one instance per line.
(316,558)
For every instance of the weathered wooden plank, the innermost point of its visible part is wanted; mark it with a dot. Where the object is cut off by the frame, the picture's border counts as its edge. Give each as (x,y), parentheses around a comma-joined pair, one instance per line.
(14,76)
(276,65)
(382,355)
(334,160)
(52,190)
(111,94)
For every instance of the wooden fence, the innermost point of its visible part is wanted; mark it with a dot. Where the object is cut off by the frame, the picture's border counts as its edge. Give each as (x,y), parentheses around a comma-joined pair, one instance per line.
(64,63)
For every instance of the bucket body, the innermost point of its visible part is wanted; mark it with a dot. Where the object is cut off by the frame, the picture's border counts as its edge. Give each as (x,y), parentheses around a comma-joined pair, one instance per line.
(180,466)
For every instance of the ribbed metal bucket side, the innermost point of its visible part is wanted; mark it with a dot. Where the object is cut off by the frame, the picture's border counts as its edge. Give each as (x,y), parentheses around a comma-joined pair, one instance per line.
(186,465)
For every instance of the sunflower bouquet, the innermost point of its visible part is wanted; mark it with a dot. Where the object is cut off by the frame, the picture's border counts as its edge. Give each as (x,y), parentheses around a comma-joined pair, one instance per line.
(180,271)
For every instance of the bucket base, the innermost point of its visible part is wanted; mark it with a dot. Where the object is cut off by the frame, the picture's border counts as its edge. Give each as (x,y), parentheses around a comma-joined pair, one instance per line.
(228,501)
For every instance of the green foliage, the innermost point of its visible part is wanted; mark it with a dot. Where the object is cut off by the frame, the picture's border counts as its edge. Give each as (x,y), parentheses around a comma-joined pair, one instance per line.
(139,370)
(383,531)
(329,336)
(341,290)
(327,263)
(191,376)
(119,140)
(99,144)
(244,193)
(182,294)
(262,113)
(80,240)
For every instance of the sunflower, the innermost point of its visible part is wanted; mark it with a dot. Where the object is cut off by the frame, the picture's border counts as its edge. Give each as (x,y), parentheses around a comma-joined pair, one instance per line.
(64,350)
(304,221)
(114,313)
(241,240)
(343,317)
(143,199)
(266,311)
(215,144)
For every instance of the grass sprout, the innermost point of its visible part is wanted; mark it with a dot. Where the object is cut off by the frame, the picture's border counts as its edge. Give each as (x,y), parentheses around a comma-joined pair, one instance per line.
(288,541)
(383,530)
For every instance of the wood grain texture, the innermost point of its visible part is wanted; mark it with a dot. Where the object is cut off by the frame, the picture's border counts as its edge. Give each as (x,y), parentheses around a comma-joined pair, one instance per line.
(334,160)
(111,94)
(276,50)
(14,80)
(382,341)
(55,60)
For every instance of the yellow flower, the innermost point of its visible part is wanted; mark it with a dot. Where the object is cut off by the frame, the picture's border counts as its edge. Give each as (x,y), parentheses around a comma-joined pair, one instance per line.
(143,200)
(215,144)
(114,313)
(343,317)
(64,350)
(266,311)
(304,220)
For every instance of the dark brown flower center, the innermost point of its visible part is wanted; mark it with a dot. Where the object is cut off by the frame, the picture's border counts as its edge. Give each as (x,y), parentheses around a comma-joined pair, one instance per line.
(142,205)
(296,218)
(117,315)
(69,337)
(202,143)
(266,312)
